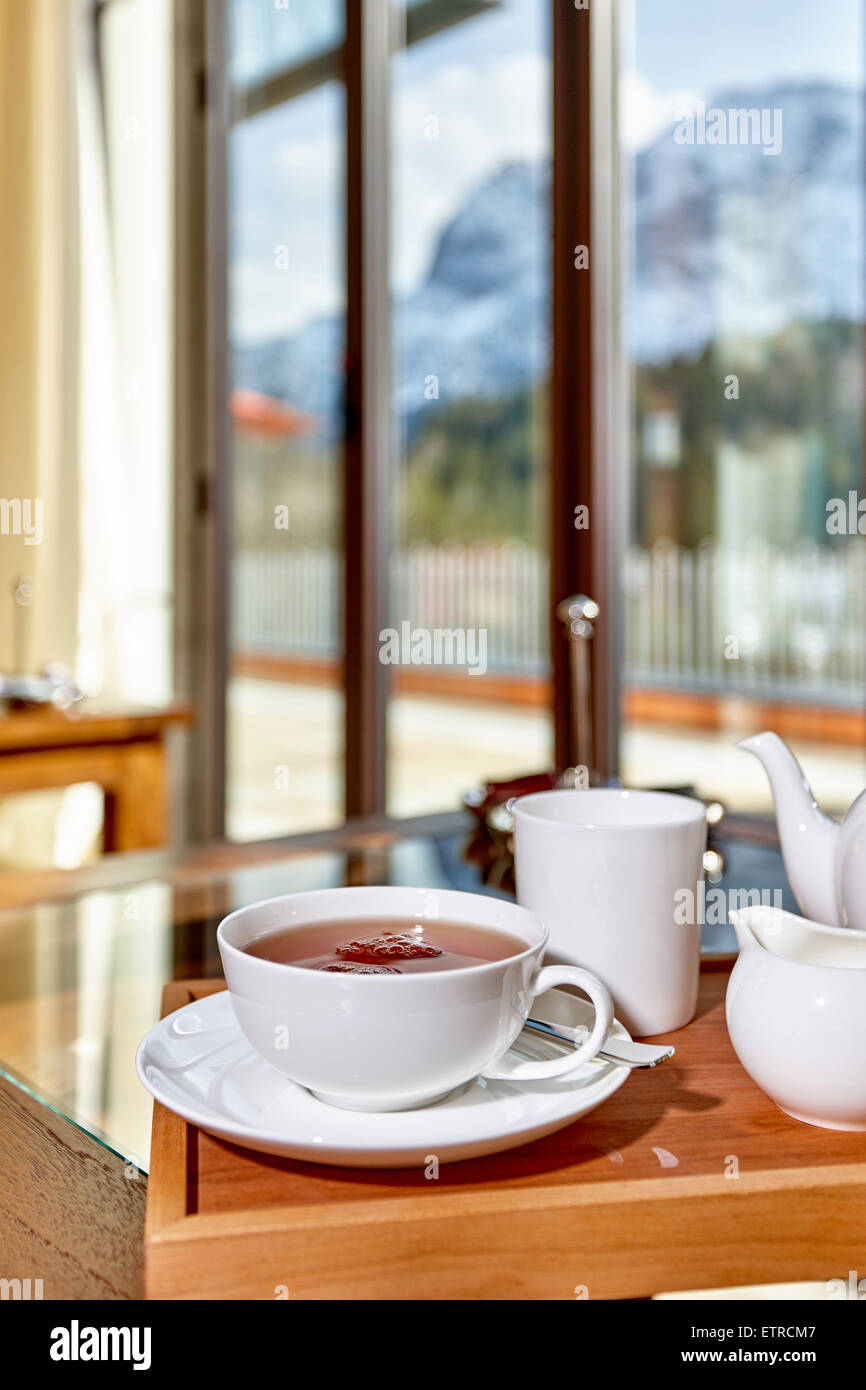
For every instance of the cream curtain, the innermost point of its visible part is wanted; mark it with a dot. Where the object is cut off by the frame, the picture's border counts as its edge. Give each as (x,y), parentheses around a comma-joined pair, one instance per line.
(40,377)
(85,334)
(39,319)
(85,370)
(126,430)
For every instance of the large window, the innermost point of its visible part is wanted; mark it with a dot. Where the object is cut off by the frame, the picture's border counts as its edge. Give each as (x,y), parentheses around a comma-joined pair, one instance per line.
(743,582)
(423,130)
(464,557)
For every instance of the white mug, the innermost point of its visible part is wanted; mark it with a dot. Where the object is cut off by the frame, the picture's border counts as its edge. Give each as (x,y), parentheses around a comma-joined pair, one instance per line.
(375,1042)
(602,869)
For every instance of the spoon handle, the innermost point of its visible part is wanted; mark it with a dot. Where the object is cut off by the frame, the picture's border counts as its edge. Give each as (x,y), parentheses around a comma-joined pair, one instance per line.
(619,1050)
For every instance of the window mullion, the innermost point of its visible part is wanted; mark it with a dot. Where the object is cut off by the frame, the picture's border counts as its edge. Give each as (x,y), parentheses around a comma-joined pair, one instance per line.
(368,400)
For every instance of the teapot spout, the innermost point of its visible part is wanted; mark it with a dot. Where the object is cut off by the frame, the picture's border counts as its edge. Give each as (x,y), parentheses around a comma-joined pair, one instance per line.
(808,837)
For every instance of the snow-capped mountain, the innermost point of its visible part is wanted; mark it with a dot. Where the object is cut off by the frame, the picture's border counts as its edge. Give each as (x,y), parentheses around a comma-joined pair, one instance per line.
(725,240)
(730,241)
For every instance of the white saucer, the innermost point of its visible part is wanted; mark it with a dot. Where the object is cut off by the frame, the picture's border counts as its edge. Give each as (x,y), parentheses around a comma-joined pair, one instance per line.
(198,1063)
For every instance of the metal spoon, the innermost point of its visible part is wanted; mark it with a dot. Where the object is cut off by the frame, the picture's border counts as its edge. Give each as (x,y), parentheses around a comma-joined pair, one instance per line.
(618,1050)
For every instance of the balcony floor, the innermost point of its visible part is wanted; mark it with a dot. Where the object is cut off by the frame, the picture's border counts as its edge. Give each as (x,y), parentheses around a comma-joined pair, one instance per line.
(286,747)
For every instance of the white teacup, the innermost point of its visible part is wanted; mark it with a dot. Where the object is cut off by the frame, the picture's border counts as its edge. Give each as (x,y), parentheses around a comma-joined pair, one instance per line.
(605,870)
(375,1042)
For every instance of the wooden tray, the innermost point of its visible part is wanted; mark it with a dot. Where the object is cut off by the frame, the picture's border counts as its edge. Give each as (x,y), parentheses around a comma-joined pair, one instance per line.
(689,1177)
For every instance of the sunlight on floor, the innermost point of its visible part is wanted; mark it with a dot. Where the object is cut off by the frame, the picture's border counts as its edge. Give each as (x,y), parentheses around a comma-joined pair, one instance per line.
(285,754)
(286,741)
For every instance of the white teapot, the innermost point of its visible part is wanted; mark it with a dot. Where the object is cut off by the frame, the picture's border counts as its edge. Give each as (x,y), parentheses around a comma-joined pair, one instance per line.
(825,861)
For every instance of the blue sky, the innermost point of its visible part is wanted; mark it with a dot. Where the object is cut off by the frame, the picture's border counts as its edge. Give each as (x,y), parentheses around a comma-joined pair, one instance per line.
(676,51)
(705,44)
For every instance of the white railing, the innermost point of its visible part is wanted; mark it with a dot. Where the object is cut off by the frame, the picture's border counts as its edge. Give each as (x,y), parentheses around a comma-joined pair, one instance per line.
(776,623)
(289,603)
(763,622)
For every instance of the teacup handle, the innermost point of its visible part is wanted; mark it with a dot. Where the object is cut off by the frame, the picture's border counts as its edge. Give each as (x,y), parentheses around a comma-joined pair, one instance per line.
(508,1069)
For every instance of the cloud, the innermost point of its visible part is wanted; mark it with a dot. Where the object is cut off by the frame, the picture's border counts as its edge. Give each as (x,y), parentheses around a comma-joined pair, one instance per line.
(286,191)
(486,117)
(270,303)
(287,179)
(644,112)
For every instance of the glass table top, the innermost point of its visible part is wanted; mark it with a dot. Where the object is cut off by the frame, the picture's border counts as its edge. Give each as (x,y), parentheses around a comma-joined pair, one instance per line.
(81,980)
